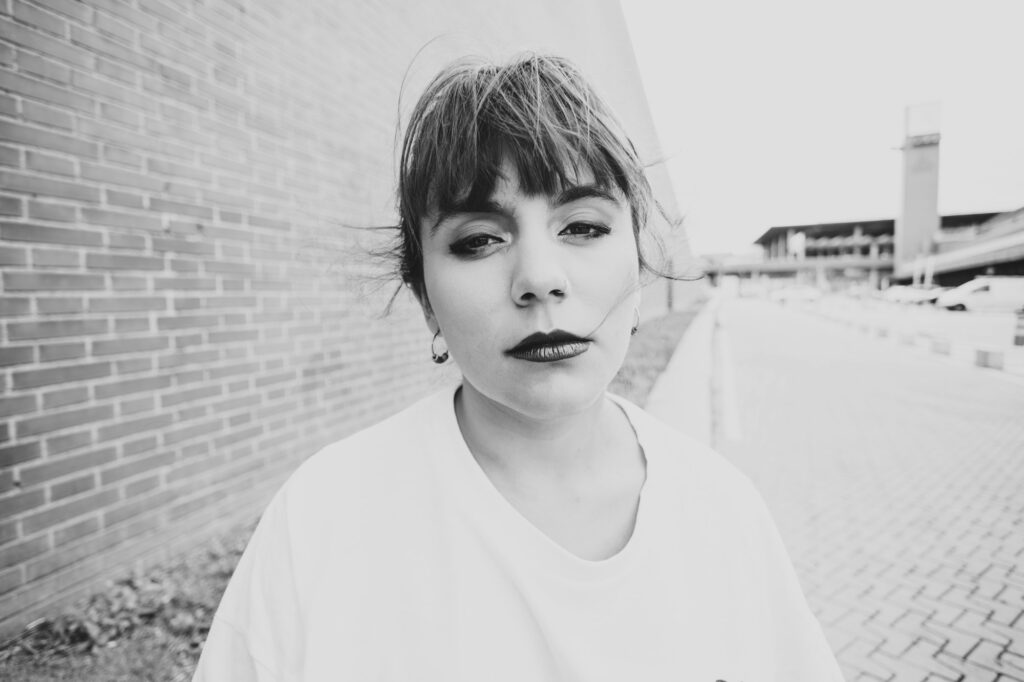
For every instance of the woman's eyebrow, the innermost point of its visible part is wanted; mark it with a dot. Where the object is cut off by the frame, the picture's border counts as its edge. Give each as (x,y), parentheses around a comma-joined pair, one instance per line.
(469,205)
(577,192)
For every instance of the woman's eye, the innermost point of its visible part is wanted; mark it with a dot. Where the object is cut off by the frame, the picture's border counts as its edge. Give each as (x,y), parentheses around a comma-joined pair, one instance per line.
(588,230)
(474,244)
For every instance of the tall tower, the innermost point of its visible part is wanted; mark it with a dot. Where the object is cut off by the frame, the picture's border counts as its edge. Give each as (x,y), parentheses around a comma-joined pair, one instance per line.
(918,222)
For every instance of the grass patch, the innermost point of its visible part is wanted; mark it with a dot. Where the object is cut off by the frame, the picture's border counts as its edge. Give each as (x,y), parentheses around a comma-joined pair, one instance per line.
(151,627)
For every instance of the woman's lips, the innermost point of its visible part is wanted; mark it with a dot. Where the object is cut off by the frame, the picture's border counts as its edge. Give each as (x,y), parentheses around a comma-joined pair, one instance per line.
(549,347)
(550,352)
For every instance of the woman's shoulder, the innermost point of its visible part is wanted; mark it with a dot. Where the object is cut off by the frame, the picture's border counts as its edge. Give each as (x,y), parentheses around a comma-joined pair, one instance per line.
(378,457)
(684,455)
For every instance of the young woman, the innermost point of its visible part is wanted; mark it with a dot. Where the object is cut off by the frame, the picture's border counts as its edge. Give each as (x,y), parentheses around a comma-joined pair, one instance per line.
(525,525)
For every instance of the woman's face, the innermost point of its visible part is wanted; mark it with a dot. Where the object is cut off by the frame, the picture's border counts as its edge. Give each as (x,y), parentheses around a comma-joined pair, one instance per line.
(561,269)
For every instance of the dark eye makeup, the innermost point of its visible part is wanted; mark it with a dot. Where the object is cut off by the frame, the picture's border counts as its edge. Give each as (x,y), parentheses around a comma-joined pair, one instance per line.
(477,244)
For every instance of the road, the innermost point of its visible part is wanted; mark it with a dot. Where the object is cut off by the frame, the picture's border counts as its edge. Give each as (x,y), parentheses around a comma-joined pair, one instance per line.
(897,480)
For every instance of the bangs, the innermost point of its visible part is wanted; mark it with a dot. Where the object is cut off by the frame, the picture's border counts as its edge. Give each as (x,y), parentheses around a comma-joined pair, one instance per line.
(536,115)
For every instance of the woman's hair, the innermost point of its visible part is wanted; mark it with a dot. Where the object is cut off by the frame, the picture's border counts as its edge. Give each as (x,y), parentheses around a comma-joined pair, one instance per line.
(536,113)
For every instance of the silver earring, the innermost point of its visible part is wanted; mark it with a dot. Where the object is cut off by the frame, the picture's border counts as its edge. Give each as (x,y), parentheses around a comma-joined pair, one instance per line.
(636,322)
(442,357)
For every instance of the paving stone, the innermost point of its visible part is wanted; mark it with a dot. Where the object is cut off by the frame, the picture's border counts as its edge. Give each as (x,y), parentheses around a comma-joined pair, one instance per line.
(894,477)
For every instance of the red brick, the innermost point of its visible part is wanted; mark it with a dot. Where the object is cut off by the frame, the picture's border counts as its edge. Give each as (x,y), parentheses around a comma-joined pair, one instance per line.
(45,43)
(68,510)
(35,281)
(130,428)
(118,176)
(38,210)
(128,13)
(49,329)
(59,375)
(184,284)
(126,199)
(16,355)
(49,235)
(95,42)
(21,552)
(141,486)
(44,68)
(37,89)
(52,422)
(128,283)
(112,262)
(129,510)
(115,153)
(127,325)
(74,9)
(40,19)
(129,346)
(129,407)
(53,117)
(182,246)
(65,397)
(59,491)
(61,351)
(48,163)
(22,134)
(72,441)
(136,242)
(10,156)
(114,28)
(59,305)
(75,531)
(135,466)
(6,481)
(199,393)
(5,433)
(11,206)
(16,454)
(120,304)
(112,69)
(20,502)
(16,406)
(187,322)
(34,184)
(8,532)
(141,445)
(120,388)
(174,436)
(12,307)
(13,256)
(180,359)
(63,466)
(53,258)
(180,208)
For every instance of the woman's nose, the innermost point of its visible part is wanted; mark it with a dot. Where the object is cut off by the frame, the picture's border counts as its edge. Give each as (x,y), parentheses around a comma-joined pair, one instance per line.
(539,276)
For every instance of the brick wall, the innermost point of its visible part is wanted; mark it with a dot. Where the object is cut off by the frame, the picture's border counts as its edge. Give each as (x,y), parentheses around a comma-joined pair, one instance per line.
(187,306)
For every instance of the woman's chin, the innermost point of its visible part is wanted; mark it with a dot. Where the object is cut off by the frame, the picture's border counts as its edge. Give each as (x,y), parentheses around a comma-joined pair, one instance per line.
(541,399)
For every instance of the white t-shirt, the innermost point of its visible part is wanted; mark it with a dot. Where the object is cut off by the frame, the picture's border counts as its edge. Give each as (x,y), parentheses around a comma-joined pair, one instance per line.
(390,556)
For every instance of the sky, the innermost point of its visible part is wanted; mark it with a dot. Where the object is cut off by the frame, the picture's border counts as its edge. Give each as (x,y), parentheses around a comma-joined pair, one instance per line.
(787,112)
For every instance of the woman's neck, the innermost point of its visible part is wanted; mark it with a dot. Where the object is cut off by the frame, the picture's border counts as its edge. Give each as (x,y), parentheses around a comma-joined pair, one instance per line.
(570,448)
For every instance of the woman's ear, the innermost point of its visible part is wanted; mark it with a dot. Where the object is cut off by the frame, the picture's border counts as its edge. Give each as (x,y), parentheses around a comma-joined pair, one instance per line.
(428,313)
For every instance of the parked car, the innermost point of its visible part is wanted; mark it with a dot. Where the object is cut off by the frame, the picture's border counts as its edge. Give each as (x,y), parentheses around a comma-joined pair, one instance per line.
(796,292)
(988,293)
(904,294)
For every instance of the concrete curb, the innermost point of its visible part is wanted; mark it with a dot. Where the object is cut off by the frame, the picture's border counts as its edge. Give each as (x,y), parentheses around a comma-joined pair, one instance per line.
(1009,359)
(682,394)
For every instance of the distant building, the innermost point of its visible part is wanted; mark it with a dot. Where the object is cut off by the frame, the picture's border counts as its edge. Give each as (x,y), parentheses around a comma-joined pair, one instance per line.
(862,253)
(918,247)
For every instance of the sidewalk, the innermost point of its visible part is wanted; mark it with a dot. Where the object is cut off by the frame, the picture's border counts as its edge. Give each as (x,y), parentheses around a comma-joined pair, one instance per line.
(894,477)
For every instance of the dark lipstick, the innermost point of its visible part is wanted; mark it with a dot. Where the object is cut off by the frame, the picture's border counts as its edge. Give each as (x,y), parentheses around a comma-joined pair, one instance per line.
(549,347)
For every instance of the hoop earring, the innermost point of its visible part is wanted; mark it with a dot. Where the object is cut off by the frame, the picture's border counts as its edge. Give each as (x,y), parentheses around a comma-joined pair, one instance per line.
(636,322)
(442,357)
